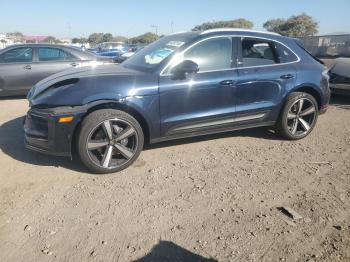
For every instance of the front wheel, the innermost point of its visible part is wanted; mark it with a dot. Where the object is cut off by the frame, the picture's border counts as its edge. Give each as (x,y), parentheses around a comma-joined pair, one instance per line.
(109,141)
(299,116)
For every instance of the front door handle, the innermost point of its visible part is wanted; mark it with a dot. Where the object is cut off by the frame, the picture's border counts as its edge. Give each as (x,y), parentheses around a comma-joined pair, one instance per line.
(74,64)
(227,83)
(28,67)
(287,76)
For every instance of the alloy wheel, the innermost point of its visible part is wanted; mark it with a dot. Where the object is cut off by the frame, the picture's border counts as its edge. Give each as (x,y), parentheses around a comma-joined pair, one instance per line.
(301,117)
(112,143)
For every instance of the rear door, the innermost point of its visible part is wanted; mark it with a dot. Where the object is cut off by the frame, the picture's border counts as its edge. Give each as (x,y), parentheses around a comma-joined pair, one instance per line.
(16,71)
(266,71)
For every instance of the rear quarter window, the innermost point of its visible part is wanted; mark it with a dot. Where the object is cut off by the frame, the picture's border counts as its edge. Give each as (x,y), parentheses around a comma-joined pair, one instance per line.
(285,55)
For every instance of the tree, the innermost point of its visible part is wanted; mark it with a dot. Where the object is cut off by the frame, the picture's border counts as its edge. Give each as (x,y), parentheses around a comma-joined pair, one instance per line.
(144,38)
(107,37)
(52,40)
(296,26)
(81,40)
(15,36)
(274,25)
(95,38)
(238,23)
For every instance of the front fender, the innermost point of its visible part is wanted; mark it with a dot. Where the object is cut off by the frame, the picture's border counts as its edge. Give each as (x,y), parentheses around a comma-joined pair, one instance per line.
(90,89)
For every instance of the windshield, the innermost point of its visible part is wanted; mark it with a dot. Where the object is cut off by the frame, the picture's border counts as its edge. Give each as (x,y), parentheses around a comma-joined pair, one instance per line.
(148,58)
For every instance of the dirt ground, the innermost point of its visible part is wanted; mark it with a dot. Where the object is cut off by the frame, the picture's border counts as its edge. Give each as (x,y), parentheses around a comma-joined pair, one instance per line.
(214,198)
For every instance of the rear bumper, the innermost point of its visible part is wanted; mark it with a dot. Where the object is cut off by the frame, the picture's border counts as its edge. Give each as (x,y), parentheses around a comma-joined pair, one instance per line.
(43,133)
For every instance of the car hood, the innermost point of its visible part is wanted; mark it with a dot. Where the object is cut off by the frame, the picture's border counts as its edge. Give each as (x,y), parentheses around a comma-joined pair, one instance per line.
(84,72)
(83,85)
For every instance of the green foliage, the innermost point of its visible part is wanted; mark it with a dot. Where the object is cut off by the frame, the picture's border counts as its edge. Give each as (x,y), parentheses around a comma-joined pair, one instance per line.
(107,37)
(275,25)
(95,38)
(238,23)
(296,26)
(81,40)
(52,40)
(15,36)
(144,38)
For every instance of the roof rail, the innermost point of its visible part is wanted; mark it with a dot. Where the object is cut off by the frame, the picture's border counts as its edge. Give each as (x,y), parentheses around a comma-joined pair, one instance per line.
(236,30)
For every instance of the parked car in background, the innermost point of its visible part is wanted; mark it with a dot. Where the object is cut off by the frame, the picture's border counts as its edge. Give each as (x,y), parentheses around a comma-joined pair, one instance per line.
(340,76)
(126,55)
(114,50)
(22,66)
(182,85)
(109,46)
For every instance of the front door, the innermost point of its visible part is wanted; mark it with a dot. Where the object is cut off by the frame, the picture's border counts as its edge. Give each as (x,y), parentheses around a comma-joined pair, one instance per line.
(204,100)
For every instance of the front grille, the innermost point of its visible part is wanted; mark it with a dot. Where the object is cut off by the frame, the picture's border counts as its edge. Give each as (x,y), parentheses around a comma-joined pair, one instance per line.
(36,126)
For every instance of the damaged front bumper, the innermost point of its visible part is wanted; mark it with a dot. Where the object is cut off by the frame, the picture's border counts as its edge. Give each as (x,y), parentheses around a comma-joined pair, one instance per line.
(45,134)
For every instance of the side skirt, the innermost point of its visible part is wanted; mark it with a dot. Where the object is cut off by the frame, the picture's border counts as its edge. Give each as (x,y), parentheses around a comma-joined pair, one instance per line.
(211,131)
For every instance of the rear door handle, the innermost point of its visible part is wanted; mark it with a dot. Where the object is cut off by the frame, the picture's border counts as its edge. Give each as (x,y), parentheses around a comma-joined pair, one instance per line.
(287,76)
(28,67)
(74,64)
(227,83)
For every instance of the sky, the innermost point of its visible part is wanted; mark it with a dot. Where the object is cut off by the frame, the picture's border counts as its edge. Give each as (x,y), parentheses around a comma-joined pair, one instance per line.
(77,18)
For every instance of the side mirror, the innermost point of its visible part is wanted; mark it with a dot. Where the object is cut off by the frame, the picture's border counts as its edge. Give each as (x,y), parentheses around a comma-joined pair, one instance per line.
(185,67)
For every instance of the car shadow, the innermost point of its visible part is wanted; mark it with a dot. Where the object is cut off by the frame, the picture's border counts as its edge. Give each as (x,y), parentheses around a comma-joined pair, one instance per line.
(169,251)
(340,101)
(16,97)
(12,144)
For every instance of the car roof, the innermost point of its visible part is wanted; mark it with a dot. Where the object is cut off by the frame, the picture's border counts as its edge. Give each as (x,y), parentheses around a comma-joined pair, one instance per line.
(234,31)
(73,49)
(41,44)
(218,30)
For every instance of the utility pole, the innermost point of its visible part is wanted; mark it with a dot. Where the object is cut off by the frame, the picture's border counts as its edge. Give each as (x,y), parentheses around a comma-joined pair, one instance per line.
(156,28)
(69,30)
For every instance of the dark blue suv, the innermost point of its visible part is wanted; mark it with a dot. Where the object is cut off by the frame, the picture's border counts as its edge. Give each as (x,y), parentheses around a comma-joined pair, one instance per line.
(183,85)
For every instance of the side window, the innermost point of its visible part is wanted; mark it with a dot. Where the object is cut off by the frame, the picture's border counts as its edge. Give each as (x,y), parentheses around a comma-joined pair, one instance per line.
(212,54)
(258,52)
(285,55)
(53,54)
(17,55)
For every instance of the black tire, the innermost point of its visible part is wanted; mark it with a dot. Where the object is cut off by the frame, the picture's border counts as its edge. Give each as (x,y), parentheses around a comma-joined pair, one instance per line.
(283,126)
(94,122)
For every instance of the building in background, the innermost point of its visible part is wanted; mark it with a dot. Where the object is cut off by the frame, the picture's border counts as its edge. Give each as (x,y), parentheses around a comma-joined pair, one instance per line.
(5,41)
(34,39)
(328,46)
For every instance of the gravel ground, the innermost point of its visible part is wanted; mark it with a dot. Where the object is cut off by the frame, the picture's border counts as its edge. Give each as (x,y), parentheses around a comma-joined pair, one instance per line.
(214,198)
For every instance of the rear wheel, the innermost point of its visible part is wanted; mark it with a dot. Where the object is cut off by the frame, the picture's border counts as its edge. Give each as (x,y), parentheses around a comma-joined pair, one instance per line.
(109,141)
(299,116)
